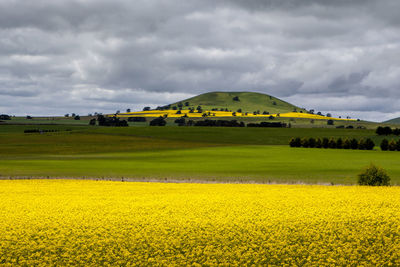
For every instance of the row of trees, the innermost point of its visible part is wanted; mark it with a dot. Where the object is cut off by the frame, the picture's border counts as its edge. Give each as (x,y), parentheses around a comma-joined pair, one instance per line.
(5,117)
(387,131)
(160,121)
(391,145)
(108,121)
(363,144)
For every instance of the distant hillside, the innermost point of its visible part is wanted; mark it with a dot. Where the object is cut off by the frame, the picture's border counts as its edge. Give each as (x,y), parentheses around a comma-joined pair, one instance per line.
(247,101)
(395,121)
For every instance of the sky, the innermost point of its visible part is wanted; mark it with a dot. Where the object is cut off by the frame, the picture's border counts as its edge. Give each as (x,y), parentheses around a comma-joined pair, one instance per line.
(86,56)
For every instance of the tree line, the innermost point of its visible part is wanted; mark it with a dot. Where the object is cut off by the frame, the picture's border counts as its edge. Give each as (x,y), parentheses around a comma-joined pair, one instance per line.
(339,143)
(391,145)
(387,131)
(160,121)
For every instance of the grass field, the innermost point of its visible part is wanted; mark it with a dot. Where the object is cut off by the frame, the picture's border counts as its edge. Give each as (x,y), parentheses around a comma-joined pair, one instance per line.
(186,153)
(82,223)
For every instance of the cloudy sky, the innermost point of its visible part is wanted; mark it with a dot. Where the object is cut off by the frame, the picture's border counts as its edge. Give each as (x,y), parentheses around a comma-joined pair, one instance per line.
(82,56)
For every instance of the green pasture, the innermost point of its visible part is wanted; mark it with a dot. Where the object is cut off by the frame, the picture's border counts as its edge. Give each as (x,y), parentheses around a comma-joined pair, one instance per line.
(232,163)
(188,153)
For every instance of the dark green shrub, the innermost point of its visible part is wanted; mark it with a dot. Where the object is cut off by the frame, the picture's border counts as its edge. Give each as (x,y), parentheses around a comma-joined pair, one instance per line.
(304,142)
(158,122)
(339,143)
(353,143)
(318,143)
(385,145)
(361,144)
(325,142)
(332,143)
(295,142)
(292,142)
(392,145)
(398,145)
(369,144)
(311,142)
(373,176)
(346,143)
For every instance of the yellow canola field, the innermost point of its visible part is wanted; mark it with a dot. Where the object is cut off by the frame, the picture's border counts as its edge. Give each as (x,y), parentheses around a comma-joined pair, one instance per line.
(213,114)
(67,222)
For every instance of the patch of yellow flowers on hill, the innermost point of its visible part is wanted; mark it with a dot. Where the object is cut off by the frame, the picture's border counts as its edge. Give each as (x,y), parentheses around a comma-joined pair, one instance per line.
(66,222)
(216,114)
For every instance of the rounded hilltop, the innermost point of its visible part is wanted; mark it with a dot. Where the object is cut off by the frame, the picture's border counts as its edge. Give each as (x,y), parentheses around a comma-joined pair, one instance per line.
(229,104)
(234,101)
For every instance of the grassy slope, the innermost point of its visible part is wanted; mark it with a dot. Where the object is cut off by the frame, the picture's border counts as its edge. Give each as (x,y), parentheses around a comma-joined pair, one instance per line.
(249,102)
(393,121)
(185,153)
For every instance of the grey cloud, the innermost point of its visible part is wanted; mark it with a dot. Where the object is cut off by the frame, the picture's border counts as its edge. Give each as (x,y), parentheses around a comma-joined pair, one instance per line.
(89,55)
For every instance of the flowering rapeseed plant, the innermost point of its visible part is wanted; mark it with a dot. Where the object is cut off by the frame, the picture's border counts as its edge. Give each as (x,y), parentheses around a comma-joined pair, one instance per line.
(66,222)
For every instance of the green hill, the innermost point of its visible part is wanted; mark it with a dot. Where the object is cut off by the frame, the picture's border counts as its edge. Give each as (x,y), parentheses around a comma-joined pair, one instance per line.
(394,121)
(247,101)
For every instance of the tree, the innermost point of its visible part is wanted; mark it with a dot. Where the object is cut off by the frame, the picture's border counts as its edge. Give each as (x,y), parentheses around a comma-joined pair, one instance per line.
(186,104)
(325,142)
(329,115)
(398,145)
(77,117)
(274,103)
(346,143)
(353,143)
(369,144)
(332,143)
(146,108)
(339,143)
(180,122)
(373,176)
(265,113)
(179,112)
(392,145)
(295,142)
(362,144)
(160,121)
(128,110)
(384,145)
(66,115)
(92,122)
(383,130)
(239,110)
(318,143)
(304,142)
(311,142)
(236,98)
(330,122)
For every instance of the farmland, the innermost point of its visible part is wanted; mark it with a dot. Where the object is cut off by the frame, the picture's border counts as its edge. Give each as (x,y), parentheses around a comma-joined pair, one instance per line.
(186,153)
(60,222)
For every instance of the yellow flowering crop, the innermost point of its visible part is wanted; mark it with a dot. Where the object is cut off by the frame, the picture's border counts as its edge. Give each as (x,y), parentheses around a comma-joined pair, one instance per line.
(211,114)
(67,222)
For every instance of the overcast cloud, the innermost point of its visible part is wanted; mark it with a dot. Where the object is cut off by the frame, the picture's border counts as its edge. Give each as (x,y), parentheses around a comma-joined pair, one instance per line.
(82,56)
